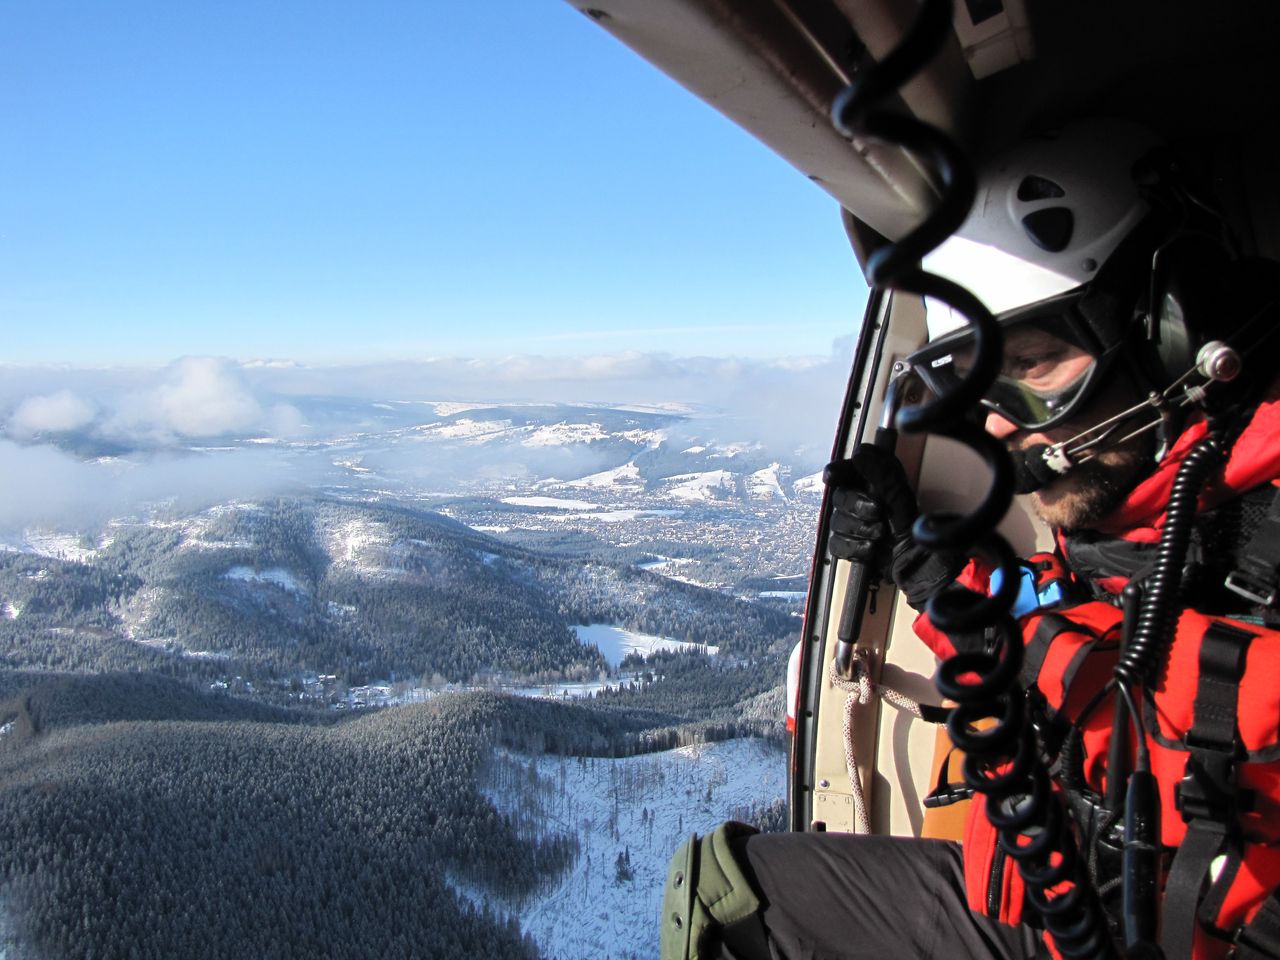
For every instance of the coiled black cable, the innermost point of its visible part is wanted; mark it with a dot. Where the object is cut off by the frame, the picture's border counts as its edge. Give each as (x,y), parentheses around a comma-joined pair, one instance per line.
(1158,615)
(989,724)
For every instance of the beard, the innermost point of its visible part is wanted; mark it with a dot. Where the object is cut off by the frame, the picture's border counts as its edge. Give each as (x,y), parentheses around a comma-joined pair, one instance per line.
(1096,487)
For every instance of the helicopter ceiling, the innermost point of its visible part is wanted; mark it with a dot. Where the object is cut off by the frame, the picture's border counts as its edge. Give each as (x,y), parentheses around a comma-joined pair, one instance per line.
(774,67)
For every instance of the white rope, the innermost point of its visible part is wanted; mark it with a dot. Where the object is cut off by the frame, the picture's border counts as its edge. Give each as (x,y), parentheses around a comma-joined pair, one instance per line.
(860,690)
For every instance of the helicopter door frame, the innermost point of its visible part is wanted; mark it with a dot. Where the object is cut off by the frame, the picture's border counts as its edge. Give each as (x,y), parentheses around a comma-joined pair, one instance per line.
(819,797)
(895,751)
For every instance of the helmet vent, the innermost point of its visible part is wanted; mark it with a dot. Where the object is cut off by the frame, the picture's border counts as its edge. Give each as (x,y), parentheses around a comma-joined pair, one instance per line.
(1039,188)
(1050,229)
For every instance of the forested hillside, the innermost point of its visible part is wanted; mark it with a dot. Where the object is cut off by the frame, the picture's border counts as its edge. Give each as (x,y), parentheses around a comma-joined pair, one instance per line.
(275,591)
(37,702)
(141,818)
(260,839)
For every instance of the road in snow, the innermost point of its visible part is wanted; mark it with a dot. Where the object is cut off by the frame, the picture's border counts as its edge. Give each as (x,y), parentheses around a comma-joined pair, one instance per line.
(645,806)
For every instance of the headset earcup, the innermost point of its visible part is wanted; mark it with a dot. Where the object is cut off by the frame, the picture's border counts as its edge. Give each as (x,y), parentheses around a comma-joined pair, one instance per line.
(1189,291)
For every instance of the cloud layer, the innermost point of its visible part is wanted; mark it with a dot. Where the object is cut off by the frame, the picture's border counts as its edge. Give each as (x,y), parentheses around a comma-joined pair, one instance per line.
(160,425)
(191,398)
(43,486)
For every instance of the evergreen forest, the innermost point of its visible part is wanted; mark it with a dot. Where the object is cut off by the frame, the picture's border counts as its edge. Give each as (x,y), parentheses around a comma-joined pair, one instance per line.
(235,829)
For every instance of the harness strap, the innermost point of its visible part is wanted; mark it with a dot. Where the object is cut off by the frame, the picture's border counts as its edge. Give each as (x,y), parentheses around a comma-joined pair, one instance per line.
(1037,648)
(1208,796)
(1255,576)
(1260,937)
(1191,865)
(1050,627)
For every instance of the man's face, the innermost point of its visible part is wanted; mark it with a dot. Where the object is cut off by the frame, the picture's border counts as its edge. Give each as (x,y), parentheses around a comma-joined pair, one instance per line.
(1092,489)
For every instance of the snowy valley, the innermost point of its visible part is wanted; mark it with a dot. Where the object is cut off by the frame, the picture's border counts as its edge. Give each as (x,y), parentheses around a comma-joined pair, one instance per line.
(618,558)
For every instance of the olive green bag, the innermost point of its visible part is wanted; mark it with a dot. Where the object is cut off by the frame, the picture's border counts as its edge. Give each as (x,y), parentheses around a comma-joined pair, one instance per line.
(706,890)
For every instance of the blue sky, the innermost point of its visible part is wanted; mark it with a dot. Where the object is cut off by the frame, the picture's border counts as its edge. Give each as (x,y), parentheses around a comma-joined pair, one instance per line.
(374,181)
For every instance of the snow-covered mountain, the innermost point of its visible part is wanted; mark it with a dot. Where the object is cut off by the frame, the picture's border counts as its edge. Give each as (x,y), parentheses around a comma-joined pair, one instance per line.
(655,483)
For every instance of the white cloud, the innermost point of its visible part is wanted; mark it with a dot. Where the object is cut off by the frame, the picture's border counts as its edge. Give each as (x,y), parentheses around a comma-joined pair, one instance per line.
(197,397)
(53,412)
(204,397)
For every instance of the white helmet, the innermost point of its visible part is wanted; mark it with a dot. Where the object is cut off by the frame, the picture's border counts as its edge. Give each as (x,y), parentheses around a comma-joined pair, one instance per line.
(1041,248)
(1047,215)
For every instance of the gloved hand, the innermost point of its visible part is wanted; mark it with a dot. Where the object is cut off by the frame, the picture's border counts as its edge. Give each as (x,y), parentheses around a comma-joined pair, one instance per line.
(873,508)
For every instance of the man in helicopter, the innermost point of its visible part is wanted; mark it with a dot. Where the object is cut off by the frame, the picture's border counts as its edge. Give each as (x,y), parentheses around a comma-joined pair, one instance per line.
(1132,332)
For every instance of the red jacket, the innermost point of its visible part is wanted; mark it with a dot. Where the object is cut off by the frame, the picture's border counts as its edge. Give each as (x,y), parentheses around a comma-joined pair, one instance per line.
(1079,653)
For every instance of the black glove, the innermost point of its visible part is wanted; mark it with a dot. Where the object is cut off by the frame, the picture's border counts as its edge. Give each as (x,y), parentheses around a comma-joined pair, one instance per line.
(872,510)
(871,503)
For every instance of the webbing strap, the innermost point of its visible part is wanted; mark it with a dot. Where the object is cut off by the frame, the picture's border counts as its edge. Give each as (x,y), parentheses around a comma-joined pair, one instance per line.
(1182,889)
(1207,796)
(1223,653)
(1260,938)
(1037,648)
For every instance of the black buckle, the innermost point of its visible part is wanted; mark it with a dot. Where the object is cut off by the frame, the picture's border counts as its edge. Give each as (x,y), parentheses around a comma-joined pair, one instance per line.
(1207,791)
(945,796)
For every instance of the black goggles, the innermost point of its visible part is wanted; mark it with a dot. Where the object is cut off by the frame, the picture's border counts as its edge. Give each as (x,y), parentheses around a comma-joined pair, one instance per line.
(1052,363)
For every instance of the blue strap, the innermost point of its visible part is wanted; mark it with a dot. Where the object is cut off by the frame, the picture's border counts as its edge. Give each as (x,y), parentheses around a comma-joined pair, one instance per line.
(1030,598)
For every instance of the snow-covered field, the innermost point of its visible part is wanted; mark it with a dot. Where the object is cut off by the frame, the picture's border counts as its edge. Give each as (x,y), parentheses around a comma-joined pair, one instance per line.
(709,485)
(627,475)
(277,575)
(559,434)
(667,565)
(639,807)
(347,541)
(766,484)
(616,642)
(60,545)
(619,516)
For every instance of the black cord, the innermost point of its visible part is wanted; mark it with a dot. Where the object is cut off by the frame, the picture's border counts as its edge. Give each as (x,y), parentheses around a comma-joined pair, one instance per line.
(989,723)
(1148,646)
